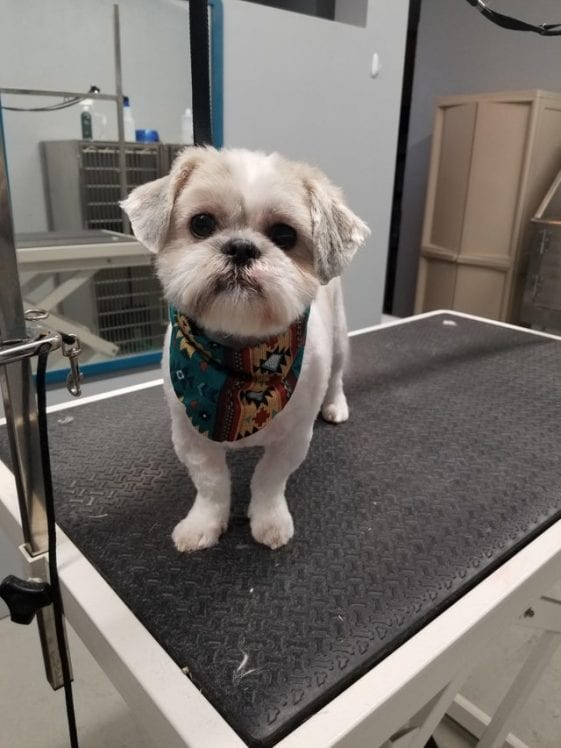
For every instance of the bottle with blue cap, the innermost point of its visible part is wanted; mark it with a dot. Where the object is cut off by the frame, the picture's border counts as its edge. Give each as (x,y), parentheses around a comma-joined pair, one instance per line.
(147,136)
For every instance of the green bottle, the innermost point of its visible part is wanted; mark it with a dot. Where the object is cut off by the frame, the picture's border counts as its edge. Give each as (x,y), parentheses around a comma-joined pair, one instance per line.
(86,122)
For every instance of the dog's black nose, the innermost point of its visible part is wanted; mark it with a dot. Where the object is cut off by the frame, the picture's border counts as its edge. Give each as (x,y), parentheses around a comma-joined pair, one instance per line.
(242,251)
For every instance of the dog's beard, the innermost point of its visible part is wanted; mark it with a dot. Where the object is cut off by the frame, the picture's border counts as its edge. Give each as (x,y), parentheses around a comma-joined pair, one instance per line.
(237,280)
(252,302)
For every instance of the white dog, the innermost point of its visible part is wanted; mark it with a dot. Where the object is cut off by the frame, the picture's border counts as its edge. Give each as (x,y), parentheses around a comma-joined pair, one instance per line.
(249,249)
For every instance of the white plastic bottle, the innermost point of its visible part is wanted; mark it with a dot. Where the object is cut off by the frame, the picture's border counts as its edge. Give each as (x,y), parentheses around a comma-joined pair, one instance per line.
(130,129)
(187,127)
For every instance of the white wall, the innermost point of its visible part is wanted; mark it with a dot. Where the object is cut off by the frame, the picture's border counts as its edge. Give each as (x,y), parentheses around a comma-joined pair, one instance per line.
(459,51)
(68,45)
(302,86)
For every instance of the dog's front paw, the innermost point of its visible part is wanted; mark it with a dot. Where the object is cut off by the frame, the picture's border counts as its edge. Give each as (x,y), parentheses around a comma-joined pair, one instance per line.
(273,527)
(198,530)
(336,411)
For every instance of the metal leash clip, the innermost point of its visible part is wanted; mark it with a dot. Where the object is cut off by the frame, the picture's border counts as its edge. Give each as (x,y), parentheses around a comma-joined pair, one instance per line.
(67,342)
(71,349)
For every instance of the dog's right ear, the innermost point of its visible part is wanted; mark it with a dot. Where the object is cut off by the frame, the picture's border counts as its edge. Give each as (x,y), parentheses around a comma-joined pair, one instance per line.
(149,209)
(149,206)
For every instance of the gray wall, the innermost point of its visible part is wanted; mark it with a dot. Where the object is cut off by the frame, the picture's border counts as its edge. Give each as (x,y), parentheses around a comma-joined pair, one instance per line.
(461,52)
(293,83)
(68,45)
(346,11)
(355,11)
(302,86)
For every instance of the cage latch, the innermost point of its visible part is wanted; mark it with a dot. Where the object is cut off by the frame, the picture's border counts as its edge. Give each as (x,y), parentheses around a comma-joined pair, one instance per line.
(537,279)
(545,239)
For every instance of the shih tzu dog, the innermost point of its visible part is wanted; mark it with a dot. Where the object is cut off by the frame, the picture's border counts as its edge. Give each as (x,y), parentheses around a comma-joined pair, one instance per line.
(249,249)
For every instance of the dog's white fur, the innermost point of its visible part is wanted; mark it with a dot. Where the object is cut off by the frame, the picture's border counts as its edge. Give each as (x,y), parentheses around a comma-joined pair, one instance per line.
(247,192)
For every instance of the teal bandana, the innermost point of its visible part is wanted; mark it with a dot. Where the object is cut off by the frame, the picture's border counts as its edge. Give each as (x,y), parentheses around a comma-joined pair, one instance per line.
(231,393)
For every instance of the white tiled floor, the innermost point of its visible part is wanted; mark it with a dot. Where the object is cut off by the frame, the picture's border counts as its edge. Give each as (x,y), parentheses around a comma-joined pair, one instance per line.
(32,715)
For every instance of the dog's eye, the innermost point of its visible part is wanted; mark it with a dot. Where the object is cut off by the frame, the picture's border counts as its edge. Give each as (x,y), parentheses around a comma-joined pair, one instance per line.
(202,225)
(283,235)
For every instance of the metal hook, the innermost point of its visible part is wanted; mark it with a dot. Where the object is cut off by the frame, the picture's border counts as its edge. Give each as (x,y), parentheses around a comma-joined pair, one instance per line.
(71,349)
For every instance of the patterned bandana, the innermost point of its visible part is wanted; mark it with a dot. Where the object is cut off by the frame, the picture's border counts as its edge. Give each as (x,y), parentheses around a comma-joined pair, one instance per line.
(227,393)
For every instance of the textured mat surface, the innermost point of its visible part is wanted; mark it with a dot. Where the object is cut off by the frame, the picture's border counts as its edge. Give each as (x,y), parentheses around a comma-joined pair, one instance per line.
(449,464)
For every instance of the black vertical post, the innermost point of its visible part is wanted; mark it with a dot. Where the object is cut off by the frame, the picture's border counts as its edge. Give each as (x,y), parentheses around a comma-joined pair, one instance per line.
(200,71)
(406,97)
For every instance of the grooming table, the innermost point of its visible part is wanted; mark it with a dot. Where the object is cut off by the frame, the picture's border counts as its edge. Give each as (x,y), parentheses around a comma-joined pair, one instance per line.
(76,256)
(424,526)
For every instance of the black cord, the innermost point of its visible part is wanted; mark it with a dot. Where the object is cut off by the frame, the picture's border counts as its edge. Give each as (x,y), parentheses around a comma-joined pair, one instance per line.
(58,608)
(515,24)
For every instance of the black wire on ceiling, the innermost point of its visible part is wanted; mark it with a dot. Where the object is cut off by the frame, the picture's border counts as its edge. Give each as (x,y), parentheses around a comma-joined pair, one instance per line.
(515,24)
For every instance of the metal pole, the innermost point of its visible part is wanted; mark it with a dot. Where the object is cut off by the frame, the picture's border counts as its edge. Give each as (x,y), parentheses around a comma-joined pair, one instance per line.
(21,414)
(120,113)
(58,94)
(17,384)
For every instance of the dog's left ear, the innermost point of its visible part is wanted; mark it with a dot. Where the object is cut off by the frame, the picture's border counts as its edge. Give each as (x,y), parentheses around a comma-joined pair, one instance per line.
(337,232)
(149,206)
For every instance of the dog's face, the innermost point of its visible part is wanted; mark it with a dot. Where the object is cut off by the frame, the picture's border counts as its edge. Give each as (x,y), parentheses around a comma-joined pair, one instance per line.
(243,239)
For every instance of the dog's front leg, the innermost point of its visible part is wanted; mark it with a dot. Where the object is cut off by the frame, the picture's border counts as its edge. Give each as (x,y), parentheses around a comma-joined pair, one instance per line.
(270,518)
(208,517)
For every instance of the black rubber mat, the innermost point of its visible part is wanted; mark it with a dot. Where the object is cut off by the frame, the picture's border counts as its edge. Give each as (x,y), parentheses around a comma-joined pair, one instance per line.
(449,464)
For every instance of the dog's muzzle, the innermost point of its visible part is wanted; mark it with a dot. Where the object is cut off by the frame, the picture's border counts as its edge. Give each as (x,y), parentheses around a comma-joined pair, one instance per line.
(242,252)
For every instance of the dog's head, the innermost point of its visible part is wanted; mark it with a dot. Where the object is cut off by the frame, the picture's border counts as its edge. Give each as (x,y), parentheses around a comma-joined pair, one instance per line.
(243,239)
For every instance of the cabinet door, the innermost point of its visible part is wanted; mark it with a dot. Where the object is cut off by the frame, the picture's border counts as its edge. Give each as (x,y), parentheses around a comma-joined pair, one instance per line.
(479,290)
(449,175)
(437,280)
(499,150)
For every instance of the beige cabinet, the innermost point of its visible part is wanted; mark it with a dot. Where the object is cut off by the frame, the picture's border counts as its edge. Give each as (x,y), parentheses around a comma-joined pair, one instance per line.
(493,158)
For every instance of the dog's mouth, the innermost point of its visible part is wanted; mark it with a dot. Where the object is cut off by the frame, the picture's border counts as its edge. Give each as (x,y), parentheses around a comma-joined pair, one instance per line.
(231,286)
(236,279)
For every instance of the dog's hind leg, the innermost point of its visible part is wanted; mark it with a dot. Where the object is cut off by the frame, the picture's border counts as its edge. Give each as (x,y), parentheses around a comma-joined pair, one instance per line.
(334,407)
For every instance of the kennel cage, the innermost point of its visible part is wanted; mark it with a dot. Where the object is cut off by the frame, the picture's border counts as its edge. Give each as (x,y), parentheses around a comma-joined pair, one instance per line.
(82,185)
(541,305)
(130,309)
(82,179)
